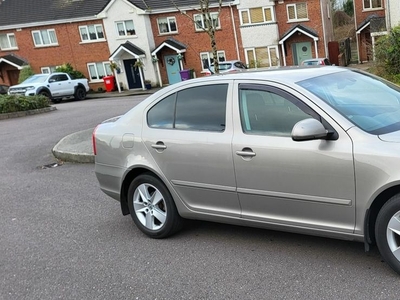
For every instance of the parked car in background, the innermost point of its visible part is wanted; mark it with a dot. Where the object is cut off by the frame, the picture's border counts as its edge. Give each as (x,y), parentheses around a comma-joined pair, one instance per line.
(229,66)
(316,62)
(313,151)
(3,89)
(55,86)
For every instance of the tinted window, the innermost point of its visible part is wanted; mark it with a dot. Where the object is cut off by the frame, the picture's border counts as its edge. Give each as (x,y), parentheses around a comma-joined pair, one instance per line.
(202,108)
(161,115)
(270,113)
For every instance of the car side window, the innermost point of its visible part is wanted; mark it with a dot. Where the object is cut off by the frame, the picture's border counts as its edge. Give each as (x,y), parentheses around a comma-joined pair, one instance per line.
(62,77)
(200,108)
(161,115)
(265,112)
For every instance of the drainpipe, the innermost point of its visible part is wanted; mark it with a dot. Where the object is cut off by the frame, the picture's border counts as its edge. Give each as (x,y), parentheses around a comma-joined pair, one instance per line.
(323,29)
(234,32)
(388,20)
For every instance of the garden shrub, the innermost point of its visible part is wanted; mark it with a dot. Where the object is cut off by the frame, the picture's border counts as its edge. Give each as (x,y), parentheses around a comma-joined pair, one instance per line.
(387,55)
(25,73)
(67,68)
(13,103)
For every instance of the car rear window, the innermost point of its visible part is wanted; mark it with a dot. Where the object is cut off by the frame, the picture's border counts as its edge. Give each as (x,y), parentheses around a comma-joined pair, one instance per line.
(200,108)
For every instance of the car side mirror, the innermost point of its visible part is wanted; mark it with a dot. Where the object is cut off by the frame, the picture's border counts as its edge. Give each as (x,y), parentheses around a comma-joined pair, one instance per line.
(309,129)
(51,80)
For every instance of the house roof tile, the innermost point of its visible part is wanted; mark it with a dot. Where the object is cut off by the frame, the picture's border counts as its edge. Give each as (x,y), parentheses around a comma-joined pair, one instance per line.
(18,12)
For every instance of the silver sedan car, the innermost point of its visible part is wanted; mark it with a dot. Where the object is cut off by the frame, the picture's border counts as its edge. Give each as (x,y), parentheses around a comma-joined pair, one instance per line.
(313,151)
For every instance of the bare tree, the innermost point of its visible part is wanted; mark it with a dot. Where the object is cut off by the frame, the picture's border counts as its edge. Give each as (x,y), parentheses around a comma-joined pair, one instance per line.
(208,24)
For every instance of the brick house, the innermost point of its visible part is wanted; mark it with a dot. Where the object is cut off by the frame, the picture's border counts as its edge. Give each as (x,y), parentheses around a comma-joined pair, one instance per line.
(305,29)
(182,44)
(64,32)
(370,23)
(260,33)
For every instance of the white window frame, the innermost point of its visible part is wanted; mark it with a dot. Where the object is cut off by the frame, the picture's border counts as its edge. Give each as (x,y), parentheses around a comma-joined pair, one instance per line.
(125,30)
(249,16)
(10,46)
(47,31)
(48,70)
(295,11)
(106,69)
(269,55)
(168,24)
(197,28)
(209,56)
(89,39)
(370,5)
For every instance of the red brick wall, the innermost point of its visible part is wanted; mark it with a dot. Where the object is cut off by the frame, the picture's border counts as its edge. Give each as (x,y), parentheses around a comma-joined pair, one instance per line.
(198,41)
(361,15)
(68,50)
(314,23)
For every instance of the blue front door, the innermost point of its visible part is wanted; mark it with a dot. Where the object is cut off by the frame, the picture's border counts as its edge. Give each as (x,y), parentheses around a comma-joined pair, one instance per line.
(132,74)
(172,63)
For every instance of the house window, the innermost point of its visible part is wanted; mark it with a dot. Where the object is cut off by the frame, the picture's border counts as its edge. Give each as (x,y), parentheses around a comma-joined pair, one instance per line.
(262,57)
(297,11)
(370,4)
(167,25)
(125,28)
(207,59)
(8,41)
(91,33)
(48,70)
(201,22)
(98,70)
(46,37)
(256,15)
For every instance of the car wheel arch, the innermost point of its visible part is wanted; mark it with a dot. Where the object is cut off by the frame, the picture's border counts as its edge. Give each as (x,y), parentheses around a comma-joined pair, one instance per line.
(46,90)
(129,177)
(373,211)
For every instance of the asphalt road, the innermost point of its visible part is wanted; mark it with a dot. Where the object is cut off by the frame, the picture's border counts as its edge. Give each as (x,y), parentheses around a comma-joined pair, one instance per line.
(62,238)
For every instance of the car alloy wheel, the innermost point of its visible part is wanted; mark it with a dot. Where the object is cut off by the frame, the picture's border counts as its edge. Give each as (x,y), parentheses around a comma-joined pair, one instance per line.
(387,232)
(152,208)
(393,235)
(149,206)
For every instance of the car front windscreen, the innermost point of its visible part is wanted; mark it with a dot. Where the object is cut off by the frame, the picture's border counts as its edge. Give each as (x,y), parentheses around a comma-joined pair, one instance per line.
(370,103)
(36,79)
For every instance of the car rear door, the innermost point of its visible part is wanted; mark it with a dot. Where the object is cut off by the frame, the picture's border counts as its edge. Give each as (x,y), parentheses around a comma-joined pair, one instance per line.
(307,184)
(189,134)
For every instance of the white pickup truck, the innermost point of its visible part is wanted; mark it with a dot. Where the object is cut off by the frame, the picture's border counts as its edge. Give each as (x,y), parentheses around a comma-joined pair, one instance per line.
(55,86)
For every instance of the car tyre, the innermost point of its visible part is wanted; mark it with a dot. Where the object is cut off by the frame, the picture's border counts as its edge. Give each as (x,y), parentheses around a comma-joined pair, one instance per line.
(80,93)
(387,232)
(152,208)
(45,93)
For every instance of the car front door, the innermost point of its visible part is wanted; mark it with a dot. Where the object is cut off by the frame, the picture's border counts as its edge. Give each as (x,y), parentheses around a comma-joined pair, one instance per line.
(308,184)
(189,135)
(61,85)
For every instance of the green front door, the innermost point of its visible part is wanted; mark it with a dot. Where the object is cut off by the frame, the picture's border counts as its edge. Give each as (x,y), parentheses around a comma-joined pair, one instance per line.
(301,51)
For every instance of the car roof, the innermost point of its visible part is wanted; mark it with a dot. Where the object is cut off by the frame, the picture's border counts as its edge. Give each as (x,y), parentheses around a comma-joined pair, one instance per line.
(285,75)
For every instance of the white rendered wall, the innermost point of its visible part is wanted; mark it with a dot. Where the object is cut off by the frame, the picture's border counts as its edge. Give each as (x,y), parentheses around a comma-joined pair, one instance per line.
(123,11)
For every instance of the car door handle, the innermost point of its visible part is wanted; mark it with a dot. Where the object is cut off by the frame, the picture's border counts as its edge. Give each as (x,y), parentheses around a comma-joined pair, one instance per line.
(246,152)
(159,146)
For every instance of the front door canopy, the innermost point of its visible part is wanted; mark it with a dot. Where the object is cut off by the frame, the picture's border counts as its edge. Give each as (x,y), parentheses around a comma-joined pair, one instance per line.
(14,61)
(300,29)
(172,44)
(130,48)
